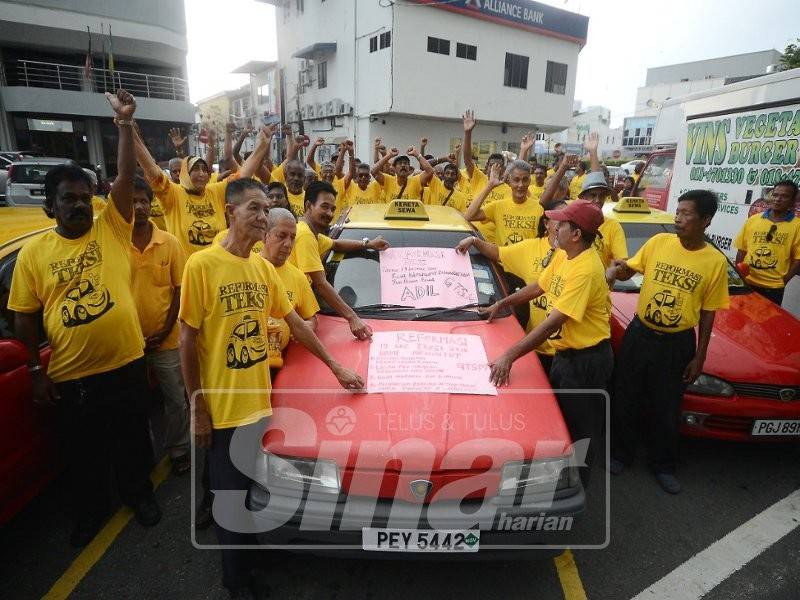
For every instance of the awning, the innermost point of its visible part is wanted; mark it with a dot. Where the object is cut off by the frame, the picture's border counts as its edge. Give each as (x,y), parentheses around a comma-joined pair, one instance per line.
(316,50)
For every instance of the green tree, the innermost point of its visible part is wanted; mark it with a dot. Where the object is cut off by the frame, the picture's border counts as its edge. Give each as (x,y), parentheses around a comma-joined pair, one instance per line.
(791,56)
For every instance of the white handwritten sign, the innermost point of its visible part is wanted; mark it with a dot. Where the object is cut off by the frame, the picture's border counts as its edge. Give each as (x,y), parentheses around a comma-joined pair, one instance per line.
(426,277)
(415,361)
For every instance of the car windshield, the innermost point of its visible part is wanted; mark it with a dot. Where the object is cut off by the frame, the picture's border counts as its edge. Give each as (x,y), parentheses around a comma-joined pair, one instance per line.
(656,174)
(356,276)
(636,234)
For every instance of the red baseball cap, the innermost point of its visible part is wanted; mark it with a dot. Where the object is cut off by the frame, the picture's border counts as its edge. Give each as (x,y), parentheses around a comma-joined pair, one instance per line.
(586,215)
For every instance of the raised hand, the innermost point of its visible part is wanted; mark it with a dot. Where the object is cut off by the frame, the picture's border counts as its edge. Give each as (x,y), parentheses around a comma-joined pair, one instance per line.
(123,103)
(468,119)
(527,142)
(378,142)
(177,139)
(495,175)
(571,161)
(592,142)
(319,141)
(393,152)
(411,151)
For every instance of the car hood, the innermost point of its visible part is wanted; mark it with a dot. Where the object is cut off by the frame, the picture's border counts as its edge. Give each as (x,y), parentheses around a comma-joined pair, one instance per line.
(753,341)
(314,417)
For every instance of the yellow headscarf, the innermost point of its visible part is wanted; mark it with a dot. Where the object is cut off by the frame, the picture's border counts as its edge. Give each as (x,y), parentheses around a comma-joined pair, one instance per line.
(187,164)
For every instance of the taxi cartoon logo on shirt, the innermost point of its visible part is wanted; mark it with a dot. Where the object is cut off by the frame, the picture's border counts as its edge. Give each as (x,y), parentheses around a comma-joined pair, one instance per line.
(84,302)
(246,344)
(201,233)
(763,258)
(664,309)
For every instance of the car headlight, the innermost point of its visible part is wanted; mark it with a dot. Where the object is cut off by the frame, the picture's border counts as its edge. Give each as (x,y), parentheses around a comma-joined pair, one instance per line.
(545,475)
(301,473)
(710,386)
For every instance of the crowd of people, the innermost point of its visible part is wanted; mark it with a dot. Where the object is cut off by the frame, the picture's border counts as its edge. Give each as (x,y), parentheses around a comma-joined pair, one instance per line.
(182,259)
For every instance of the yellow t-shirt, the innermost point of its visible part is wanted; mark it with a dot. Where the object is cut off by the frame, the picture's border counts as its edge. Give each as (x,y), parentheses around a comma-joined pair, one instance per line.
(98,205)
(769,260)
(155,273)
(479,181)
(213,177)
(354,195)
(277,174)
(157,214)
(391,188)
(612,244)
(575,186)
(256,249)
(527,260)
(579,290)
(192,218)
(228,299)
(465,185)
(678,283)
(514,222)
(83,287)
(297,203)
(309,249)
(301,299)
(437,194)
(535,191)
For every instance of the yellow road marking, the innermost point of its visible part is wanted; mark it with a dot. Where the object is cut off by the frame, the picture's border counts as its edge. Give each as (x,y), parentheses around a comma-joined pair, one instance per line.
(570,579)
(94,551)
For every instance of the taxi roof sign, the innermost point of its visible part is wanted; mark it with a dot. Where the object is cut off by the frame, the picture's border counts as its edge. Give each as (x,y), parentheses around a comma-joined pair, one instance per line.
(408,210)
(632,204)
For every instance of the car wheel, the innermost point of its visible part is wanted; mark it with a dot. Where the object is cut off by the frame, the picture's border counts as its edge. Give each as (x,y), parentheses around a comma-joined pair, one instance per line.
(65,315)
(231,356)
(81,313)
(245,356)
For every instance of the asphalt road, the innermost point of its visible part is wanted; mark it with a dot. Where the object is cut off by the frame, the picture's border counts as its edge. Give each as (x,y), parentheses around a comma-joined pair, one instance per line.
(652,533)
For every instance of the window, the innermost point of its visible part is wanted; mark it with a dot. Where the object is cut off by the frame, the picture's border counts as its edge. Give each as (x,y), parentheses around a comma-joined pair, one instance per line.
(373,44)
(322,74)
(555,80)
(241,107)
(263,94)
(466,51)
(385,39)
(438,46)
(516,71)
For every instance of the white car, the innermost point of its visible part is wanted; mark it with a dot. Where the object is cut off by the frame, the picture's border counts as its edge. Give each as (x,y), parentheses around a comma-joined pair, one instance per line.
(630,166)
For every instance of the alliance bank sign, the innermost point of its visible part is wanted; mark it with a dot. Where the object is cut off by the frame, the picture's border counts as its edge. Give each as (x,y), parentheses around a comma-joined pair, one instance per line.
(523,14)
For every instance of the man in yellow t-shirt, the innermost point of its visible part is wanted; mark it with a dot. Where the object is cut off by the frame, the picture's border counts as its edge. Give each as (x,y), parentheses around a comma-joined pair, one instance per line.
(443,192)
(156,269)
(685,280)
(278,244)
(76,279)
(227,295)
(576,184)
(536,188)
(311,244)
(194,210)
(403,184)
(515,218)
(577,326)
(769,243)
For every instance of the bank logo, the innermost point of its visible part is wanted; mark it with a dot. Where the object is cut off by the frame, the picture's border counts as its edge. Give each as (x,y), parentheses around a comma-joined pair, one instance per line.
(664,309)
(246,344)
(85,302)
(340,420)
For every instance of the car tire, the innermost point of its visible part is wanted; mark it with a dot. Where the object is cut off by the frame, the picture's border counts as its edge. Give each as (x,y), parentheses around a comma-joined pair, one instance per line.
(245,357)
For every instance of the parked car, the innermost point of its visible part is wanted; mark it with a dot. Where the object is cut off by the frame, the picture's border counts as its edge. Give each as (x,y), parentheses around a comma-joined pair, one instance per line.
(411,456)
(630,166)
(6,158)
(750,385)
(26,180)
(27,442)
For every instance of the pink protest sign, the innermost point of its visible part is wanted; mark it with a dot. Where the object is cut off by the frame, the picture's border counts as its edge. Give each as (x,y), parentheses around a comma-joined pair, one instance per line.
(414,361)
(426,277)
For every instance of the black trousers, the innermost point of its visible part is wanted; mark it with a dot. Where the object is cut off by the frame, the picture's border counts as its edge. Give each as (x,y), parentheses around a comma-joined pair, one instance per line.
(102,422)
(649,388)
(225,475)
(584,413)
(772,294)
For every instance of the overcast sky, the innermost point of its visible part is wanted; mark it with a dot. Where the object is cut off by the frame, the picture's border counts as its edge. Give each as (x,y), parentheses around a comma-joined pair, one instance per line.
(625,38)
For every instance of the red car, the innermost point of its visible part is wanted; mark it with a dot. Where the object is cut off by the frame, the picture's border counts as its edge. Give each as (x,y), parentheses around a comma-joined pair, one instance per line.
(750,385)
(413,471)
(27,442)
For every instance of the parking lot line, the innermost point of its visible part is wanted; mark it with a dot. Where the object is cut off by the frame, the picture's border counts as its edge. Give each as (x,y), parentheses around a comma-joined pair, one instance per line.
(67,583)
(707,569)
(571,583)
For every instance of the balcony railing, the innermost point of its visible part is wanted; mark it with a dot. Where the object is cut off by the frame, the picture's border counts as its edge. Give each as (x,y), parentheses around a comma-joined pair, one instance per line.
(32,73)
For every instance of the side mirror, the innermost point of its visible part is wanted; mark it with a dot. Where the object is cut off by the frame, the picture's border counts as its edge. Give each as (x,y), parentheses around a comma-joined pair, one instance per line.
(13,355)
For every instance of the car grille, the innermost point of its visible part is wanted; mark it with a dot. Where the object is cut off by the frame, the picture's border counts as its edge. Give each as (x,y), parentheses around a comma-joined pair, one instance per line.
(728,423)
(770,392)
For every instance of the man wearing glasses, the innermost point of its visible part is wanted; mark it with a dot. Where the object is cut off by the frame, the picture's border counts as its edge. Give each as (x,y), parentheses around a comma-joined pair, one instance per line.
(769,243)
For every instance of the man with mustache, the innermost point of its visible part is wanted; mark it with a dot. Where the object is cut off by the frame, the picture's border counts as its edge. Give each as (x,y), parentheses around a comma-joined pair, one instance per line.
(77,279)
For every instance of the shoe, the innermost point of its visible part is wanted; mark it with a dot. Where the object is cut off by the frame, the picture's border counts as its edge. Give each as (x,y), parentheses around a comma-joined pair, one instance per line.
(181,464)
(147,512)
(85,529)
(616,467)
(669,483)
(202,516)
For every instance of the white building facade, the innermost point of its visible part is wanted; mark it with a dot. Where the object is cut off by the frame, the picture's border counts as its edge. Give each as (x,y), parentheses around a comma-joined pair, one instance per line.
(595,119)
(361,70)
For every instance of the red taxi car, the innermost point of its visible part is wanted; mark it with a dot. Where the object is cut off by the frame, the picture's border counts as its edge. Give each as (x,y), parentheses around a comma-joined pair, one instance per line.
(412,471)
(27,441)
(750,385)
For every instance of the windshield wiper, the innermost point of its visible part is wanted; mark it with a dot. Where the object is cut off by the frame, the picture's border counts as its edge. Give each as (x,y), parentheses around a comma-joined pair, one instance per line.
(383,307)
(441,310)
